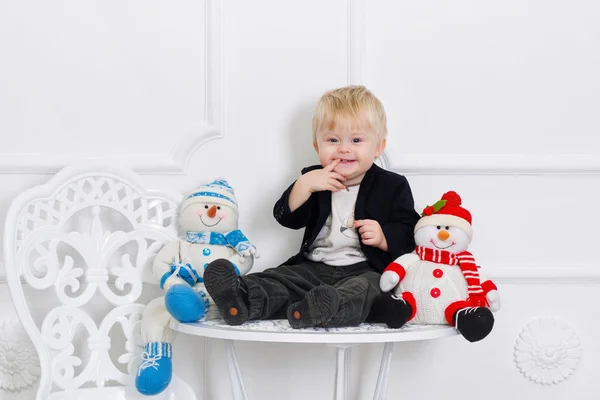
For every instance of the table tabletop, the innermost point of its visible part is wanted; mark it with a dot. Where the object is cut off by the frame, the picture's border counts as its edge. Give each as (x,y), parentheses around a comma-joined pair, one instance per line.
(281,331)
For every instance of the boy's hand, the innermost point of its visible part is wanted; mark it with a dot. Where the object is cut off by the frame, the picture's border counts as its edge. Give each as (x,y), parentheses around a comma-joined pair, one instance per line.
(371,233)
(323,179)
(315,181)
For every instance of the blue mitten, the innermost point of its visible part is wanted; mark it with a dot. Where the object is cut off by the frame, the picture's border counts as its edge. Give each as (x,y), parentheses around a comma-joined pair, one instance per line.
(183,270)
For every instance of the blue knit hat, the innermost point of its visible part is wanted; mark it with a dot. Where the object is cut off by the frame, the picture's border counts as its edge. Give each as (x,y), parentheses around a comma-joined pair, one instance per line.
(216,192)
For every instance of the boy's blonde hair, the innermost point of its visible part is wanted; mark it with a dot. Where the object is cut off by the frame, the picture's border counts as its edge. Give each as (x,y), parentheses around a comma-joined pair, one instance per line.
(348,105)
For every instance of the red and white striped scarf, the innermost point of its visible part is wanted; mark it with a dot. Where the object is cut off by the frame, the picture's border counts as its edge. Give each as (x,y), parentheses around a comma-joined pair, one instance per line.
(466,263)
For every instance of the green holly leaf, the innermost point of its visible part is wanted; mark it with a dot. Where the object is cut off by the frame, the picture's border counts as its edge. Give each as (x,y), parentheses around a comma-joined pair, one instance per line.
(429,210)
(438,205)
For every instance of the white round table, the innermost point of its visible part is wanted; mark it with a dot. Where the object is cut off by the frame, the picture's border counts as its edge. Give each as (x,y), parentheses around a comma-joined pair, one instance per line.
(341,338)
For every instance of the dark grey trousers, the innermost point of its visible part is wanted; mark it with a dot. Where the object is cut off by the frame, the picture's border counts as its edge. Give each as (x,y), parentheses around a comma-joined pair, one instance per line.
(272,291)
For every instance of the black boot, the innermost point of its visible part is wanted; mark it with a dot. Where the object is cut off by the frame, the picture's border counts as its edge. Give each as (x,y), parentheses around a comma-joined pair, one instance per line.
(390,310)
(227,291)
(474,323)
(315,309)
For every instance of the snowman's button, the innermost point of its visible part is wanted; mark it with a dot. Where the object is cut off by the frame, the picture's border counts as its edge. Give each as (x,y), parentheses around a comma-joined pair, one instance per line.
(205,265)
(233,311)
(438,273)
(435,293)
(206,252)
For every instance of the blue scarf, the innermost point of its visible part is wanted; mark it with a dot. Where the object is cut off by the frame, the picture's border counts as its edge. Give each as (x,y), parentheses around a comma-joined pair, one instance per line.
(234,239)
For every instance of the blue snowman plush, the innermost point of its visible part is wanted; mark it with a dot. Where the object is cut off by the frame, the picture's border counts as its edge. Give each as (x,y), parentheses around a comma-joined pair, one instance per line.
(209,217)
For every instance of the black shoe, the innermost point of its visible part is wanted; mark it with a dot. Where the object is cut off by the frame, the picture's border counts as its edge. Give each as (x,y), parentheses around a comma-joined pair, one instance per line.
(317,308)
(390,310)
(225,288)
(474,323)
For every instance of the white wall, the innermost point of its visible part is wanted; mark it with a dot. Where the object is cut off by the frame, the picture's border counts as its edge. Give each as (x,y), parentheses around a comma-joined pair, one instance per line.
(497,100)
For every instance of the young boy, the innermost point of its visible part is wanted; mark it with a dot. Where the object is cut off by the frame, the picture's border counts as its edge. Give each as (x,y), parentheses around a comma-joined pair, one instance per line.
(358,219)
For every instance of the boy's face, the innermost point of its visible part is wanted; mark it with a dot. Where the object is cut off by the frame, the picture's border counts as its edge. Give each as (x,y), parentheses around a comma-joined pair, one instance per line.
(355,144)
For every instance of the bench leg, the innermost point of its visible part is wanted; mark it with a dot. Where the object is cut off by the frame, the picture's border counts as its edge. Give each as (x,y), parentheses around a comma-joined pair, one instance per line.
(235,376)
(384,371)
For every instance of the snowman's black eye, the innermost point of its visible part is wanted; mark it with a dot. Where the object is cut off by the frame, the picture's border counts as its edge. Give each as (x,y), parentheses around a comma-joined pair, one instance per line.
(439,227)
(447,228)
(218,207)
(206,206)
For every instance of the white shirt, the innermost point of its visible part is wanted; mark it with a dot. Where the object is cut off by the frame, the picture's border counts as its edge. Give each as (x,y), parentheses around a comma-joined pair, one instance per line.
(338,242)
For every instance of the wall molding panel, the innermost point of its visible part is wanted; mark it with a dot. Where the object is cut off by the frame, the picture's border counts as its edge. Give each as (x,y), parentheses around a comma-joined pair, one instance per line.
(357,42)
(491,164)
(174,161)
(514,274)
(455,164)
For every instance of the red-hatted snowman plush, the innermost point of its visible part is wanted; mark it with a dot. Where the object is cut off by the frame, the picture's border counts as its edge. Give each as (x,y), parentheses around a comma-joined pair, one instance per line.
(439,283)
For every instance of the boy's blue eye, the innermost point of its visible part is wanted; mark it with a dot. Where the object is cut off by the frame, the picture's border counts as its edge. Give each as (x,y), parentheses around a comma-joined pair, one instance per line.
(356,140)
(332,140)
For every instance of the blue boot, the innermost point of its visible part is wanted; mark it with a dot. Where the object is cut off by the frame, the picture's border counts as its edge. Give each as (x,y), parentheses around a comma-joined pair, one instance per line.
(154,375)
(185,304)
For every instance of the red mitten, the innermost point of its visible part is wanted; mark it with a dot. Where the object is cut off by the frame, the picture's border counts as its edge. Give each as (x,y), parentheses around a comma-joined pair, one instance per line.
(391,276)
(388,281)
(493,299)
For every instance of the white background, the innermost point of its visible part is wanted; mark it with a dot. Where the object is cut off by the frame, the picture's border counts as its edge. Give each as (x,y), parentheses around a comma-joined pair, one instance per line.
(496,100)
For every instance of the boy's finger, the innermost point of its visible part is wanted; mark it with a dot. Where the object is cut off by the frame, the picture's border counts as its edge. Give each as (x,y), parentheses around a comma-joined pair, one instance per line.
(364,229)
(332,165)
(338,176)
(361,222)
(368,235)
(332,188)
(337,184)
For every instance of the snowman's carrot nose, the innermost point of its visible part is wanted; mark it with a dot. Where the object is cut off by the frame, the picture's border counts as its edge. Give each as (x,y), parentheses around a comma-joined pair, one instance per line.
(212,212)
(442,235)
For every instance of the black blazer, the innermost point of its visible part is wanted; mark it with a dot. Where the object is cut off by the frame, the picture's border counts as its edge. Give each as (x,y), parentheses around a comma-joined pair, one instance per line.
(383,196)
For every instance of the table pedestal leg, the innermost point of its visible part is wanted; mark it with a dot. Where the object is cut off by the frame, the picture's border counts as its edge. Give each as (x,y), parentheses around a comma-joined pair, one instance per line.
(384,371)
(342,371)
(237,384)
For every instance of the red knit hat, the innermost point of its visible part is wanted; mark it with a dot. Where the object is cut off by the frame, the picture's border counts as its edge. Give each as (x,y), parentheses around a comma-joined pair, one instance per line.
(447,212)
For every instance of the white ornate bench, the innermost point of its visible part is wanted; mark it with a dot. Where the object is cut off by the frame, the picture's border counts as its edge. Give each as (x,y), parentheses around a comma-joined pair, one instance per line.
(76,252)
